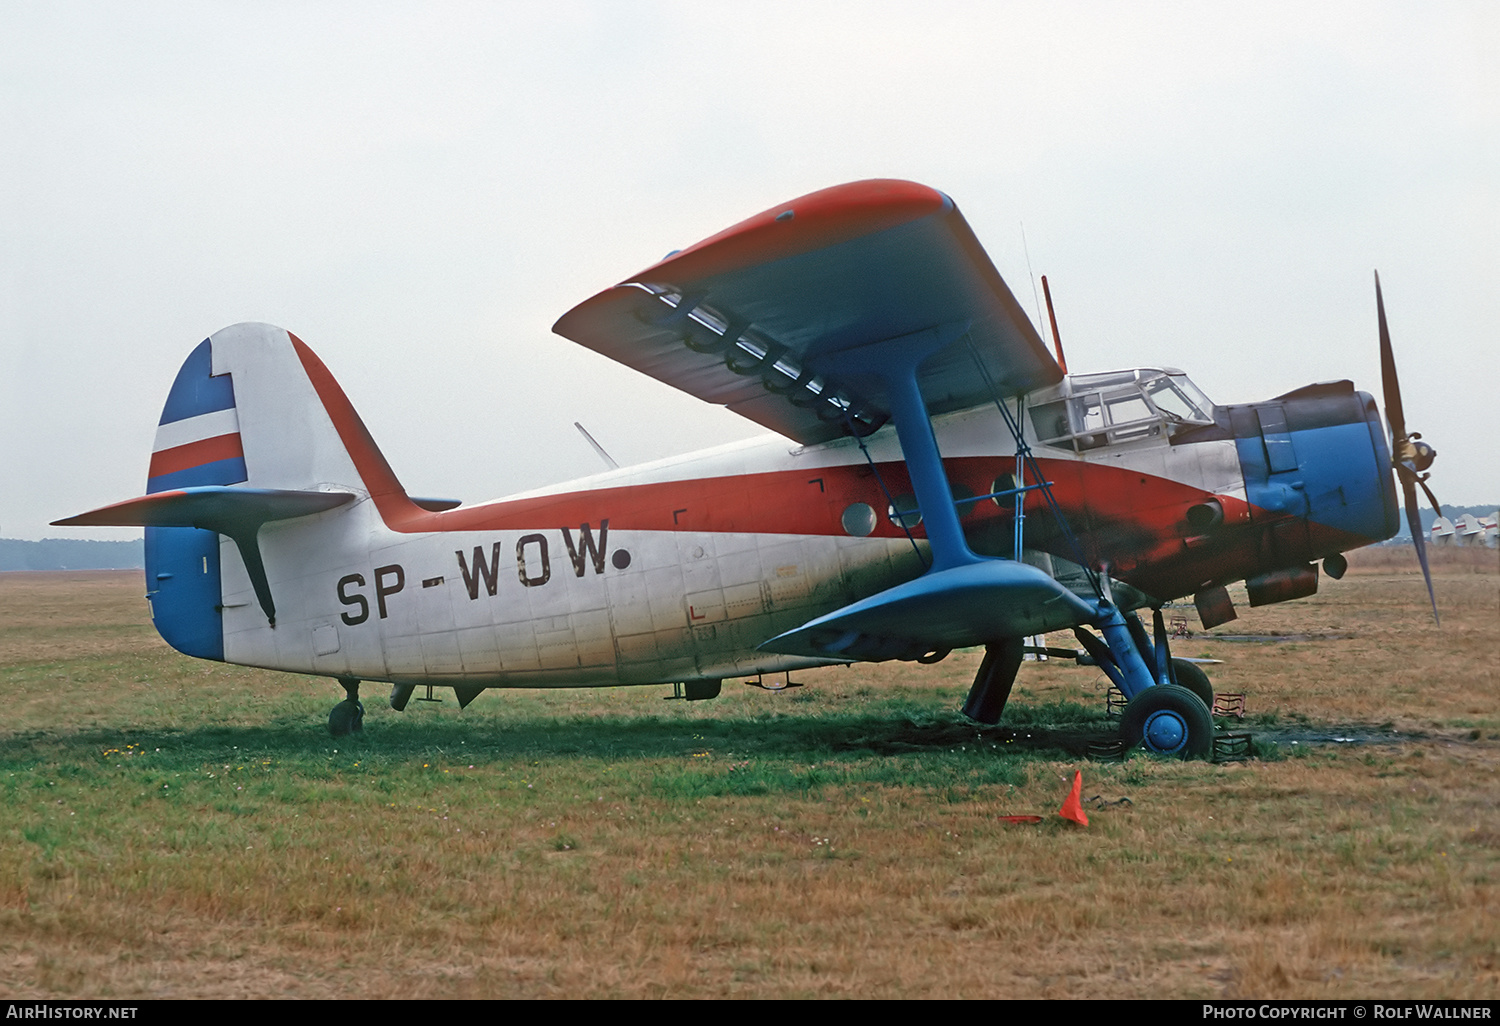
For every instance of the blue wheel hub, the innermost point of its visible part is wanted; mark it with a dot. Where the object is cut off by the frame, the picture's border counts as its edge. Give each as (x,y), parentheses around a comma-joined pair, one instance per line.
(1165,732)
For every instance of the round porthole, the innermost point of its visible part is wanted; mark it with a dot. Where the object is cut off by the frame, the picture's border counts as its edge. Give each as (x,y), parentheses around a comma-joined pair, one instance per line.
(1004,483)
(859,520)
(904,512)
(963,499)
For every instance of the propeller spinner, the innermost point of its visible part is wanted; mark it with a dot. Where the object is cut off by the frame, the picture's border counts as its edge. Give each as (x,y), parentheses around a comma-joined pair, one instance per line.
(1409,454)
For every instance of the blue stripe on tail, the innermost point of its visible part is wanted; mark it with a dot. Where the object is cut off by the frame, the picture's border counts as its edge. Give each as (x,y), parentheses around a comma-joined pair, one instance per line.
(182,563)
(196,391)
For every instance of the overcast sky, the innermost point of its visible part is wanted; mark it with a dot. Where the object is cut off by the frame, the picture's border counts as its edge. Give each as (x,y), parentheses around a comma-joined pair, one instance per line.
(419,190)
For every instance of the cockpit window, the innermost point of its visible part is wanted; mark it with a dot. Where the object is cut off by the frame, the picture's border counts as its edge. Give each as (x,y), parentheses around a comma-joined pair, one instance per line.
(1174,395)
(1107,409)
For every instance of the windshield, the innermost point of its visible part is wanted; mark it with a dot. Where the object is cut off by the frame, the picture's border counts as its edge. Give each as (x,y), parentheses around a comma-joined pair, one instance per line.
(1121,406)
(1179,398)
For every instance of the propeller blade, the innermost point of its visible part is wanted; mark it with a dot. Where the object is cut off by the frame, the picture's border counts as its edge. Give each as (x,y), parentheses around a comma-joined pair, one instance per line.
(1418,537)
(1430,497)
(1393,411)
(1407,474)
(1405,454)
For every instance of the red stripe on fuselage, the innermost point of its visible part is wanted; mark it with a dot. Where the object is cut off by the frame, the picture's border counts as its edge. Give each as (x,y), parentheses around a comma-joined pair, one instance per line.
(1136,523)
(195,454)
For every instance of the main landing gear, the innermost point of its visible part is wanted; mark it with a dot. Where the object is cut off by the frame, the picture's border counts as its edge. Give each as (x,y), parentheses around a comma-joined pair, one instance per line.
(1188,675)
(1168,705)
(1169,699)
(1168,720)
(348,717)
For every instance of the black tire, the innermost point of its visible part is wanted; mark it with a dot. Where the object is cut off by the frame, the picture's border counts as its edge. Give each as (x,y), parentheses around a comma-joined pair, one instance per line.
(348,717)
(1191,676)
(1168,720)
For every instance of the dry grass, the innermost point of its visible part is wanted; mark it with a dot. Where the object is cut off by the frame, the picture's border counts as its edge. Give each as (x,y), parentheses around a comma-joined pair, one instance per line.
(172,828)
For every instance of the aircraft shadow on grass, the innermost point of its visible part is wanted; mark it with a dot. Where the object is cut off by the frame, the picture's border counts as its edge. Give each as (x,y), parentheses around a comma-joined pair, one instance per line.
(813,736)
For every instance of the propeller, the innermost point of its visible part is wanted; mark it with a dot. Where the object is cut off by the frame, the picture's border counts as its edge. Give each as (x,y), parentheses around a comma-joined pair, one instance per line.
(1409,454)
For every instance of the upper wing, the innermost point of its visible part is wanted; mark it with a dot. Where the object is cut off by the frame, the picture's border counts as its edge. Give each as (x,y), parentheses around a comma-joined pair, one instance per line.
(741,319)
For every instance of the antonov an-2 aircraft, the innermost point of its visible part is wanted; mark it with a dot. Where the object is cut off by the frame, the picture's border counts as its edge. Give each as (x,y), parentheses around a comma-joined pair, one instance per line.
(935,480)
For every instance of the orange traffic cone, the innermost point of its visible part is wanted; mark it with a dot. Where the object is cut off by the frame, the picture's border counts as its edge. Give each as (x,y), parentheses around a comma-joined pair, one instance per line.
(1072,806)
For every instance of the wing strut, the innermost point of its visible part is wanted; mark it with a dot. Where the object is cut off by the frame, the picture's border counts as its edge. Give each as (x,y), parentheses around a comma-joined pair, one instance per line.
(901,518)
(895,362)
(963,599)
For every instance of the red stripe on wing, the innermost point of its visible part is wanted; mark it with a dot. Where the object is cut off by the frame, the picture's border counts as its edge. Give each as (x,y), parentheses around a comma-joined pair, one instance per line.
(819,220)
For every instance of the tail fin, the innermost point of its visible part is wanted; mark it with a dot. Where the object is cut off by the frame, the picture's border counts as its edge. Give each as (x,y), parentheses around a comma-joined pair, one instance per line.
(254,430)
(253,405)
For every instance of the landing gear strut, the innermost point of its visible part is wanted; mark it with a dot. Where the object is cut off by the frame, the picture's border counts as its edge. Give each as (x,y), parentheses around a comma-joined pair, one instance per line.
(1168,712)
(348,717)
(992,684)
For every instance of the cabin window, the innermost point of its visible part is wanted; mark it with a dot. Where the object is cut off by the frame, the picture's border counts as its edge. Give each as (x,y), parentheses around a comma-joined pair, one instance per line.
(858,520)
(1050,421)
(1130,416)
(1004,483)
(904,512)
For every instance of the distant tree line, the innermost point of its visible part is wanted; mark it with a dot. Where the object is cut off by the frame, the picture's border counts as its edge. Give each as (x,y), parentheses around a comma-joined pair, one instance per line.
(71,554)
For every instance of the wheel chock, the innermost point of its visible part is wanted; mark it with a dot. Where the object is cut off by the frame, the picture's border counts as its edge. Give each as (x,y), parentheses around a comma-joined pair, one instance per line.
(1230,705)
(1232,747)
(1108,750)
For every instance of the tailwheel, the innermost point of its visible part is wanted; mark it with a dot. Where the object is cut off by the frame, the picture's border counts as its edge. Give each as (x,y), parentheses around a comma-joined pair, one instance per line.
(348,717)
(1168,720)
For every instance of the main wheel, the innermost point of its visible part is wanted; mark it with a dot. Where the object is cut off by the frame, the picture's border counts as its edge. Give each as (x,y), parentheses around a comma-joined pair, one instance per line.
(1168,720)
(1190,676)
(347,717)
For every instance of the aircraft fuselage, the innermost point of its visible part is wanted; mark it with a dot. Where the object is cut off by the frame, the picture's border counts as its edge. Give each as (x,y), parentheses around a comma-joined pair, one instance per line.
(678,569)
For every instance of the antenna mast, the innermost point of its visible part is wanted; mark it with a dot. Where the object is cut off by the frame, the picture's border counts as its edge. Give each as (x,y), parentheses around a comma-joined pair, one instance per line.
(1052,318)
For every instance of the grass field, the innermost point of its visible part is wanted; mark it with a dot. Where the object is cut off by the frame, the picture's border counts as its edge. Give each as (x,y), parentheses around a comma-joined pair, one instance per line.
(174,828)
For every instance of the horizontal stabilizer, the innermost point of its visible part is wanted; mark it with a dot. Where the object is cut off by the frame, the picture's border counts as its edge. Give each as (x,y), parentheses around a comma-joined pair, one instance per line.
(227,510)
(975,604)
(236,513)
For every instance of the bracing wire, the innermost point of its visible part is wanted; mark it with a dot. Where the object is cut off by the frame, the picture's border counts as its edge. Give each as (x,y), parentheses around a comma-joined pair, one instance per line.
(901,516)
(1043,485)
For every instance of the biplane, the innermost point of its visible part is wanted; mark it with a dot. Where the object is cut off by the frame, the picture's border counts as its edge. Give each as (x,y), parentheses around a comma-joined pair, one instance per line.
(933,479)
